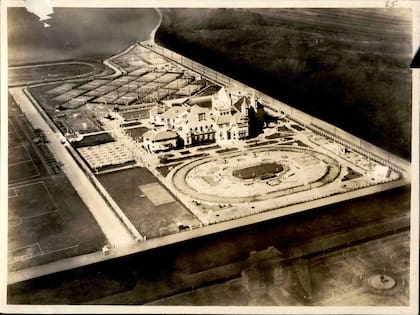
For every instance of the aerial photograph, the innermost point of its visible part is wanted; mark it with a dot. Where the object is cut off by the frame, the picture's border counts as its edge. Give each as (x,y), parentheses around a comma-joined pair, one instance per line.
(196,157)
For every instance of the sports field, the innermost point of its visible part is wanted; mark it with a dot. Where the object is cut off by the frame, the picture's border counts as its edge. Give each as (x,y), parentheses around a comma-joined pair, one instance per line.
(52,72)
(47,220)
(152,209)
(23,164)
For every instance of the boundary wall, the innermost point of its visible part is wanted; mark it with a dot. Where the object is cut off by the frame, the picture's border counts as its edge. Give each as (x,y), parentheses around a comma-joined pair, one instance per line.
(277,107)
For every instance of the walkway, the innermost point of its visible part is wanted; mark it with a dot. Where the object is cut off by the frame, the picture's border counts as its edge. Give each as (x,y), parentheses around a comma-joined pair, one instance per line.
(113,229)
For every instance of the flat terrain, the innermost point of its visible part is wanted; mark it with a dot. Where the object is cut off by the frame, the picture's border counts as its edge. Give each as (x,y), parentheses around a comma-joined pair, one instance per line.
(47,219)
(346,66)
(147,204)
(151,275)
(337,279)
(155,211)
(53,72)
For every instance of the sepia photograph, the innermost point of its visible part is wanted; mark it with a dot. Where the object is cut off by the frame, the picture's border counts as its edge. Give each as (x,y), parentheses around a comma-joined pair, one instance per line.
(202,158)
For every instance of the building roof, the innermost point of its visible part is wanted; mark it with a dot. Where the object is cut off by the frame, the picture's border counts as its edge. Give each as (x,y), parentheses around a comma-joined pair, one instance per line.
(159,135)
(242,100)
(158,109)
(210,90)
(206,103)
(173,112)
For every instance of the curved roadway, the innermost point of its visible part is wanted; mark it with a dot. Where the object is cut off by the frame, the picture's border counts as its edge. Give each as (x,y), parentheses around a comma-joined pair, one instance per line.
(55,79)
(180,182)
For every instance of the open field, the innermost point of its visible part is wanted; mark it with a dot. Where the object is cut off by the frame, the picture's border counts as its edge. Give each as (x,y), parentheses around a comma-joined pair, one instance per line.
(148,205)
(23,171)
(47,219)
(52,72)
(346,66)
(258,170)
(23,163)
(151,275)
(339,278)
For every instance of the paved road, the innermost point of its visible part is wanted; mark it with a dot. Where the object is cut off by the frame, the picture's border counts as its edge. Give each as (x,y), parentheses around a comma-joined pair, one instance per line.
(118,71)
(78,261)
(113,229)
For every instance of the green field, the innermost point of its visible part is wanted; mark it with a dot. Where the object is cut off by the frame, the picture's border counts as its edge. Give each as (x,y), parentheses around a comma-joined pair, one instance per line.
(258,170)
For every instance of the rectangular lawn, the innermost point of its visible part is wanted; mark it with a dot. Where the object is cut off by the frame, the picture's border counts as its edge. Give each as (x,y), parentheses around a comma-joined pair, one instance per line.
(152,216)
(48,221)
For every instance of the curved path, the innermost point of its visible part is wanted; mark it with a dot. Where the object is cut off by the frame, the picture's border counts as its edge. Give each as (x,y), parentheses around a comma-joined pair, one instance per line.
(118,71)
(153,32)
(53,79)
(49,64)
(191,181)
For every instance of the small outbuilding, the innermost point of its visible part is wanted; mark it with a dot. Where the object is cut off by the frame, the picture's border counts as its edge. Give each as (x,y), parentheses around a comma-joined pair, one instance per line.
(157,141)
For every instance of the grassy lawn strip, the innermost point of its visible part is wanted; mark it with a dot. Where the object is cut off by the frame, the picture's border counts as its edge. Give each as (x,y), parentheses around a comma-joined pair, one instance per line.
(257,170)
(169,160)
(89,141)
(260,144)
(164,170)
(226,150)
(351,174)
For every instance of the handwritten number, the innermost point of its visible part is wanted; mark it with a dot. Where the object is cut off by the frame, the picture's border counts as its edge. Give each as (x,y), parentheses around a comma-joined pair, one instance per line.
(391,3)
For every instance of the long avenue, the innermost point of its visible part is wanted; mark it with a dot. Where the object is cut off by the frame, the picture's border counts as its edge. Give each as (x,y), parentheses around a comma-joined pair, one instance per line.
(113,229)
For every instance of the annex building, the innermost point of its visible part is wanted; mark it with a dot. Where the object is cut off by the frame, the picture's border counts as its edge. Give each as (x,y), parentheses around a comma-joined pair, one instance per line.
(219,117)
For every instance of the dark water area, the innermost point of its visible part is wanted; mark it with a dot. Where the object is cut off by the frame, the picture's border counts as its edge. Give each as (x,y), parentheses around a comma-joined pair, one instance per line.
(143,277)
(76,33)
(349,67)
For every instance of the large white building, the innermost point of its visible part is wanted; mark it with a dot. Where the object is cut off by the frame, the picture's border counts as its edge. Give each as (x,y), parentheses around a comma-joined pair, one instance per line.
(215,118)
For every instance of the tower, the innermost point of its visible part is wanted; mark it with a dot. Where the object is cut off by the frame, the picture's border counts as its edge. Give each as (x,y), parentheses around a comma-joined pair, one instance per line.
(245,108)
